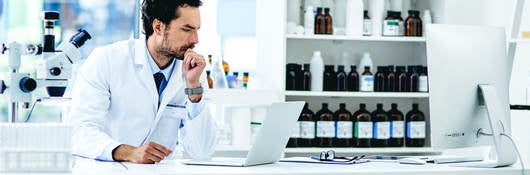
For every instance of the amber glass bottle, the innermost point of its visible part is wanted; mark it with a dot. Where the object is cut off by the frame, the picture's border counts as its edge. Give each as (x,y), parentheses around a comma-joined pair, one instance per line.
(380,79)
(397,127)
(306,121)
(353,79)
(381,127)
(330,79)
(341,79)
(344,127)
(402,78)
(325,127)
(210,81)
(363,127)
(320,22)
(390,79)
(329,21)
(415,127)
(306,78)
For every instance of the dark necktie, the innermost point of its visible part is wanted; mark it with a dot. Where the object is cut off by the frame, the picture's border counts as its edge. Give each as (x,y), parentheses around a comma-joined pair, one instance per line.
(158,80)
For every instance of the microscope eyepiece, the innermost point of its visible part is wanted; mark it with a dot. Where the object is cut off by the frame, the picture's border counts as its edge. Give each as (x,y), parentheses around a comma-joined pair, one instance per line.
(80,37)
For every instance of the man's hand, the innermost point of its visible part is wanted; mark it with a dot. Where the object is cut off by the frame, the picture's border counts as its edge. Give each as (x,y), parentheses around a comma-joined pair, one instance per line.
(148,153)
(192,67)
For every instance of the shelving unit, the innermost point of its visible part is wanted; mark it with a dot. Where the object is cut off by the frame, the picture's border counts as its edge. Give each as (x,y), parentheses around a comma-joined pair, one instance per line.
(351,38)
(359,94)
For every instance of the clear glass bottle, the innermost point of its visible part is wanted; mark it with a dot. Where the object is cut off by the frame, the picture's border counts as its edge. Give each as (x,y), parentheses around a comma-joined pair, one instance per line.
(367,24)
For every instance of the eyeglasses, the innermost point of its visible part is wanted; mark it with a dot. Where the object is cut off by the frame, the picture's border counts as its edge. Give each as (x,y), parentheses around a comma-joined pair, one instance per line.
(329,155)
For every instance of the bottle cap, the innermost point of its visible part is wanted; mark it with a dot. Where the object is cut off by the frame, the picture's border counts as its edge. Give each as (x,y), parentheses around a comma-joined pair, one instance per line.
(316,53)
(341,67)
(324,105)
(394,105)
(362,105)
(329,67)
(379,106)
(342,105)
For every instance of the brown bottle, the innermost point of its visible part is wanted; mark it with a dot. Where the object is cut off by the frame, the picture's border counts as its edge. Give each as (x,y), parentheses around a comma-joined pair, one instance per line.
(363,127)
(415,127)
(320,22)
(414,79)
(341,79)
(390,79)
(330,78)
(226,67)
(325,127)
(397,127)
(210,59)
(353,79)
(413,24)
(329,22)
(291,77)
(381,127)
(306,78)
(344,124)
(307,124)
(245,80)
(210,81)
(380,79)
(402,78)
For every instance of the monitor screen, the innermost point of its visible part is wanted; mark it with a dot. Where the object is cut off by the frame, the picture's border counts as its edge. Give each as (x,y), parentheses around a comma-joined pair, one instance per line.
(460,58)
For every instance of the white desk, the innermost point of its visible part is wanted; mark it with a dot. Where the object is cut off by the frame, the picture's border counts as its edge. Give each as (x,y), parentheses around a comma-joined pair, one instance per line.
(87,167)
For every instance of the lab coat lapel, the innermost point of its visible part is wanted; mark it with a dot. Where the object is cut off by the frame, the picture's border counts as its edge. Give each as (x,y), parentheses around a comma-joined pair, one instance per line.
(174,86)
(144,71)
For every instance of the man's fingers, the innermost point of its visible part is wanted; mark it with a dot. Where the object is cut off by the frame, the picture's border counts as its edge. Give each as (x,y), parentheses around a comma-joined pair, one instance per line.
(155,152)
(160,148)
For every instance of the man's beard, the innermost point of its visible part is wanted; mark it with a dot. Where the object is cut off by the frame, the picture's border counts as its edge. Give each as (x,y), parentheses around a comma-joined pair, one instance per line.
(165,50)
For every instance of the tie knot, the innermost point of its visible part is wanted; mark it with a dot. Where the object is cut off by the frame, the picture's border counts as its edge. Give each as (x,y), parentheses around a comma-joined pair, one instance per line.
(159,76)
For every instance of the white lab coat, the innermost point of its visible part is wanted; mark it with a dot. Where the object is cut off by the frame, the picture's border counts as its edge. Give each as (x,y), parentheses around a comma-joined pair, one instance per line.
(114,101)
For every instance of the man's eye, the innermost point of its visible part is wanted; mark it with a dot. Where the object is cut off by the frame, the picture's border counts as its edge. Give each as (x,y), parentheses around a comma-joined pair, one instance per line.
(186,30)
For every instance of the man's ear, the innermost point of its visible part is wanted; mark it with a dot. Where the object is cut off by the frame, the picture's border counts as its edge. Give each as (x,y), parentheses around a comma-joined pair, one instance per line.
(158,27)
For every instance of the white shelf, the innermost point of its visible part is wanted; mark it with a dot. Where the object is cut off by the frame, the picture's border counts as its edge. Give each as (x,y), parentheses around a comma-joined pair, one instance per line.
(520,40)
(363,38)
(359,94)
(421,150)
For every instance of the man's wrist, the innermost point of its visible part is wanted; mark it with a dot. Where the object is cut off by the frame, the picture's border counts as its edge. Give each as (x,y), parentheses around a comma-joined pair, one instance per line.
(122,152)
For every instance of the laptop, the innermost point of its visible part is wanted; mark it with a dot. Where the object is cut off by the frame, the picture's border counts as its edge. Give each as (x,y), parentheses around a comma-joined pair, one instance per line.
(271,140)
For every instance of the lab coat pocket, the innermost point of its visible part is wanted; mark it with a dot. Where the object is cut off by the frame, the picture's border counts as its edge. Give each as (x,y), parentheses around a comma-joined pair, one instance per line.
(166,131)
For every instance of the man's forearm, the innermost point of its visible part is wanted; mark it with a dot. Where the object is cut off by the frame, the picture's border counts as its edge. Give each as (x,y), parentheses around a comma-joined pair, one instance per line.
(122,152)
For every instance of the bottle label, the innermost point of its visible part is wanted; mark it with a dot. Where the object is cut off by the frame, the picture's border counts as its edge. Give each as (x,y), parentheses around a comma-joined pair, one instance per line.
(363,130)
(344,129)
(367,27)
(307,129)
(296,131)
(381,130)
(401,28)
(416,129)
(423,84)
(325,129)
(397,129)
(367,83)
(391,27)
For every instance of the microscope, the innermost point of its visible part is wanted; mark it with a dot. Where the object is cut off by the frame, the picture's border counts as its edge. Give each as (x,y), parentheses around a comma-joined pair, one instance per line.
(54,67)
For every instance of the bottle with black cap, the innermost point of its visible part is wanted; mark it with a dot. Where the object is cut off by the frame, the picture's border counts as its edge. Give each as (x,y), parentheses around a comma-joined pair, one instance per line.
(415,127)
(390,79)
(325,127)
(330,79)
(380,79)
(363,127)
(402,79)
(306,121)
(306,78)
(397,127)
(344,127)
(341,79)
(353,79)
(381,127)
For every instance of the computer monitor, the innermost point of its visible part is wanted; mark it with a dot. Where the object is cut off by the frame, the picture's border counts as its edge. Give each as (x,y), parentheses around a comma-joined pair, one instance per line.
(469,74)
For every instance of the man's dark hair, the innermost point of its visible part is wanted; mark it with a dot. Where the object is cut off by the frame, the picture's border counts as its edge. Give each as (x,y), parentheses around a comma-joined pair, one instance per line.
(163,10)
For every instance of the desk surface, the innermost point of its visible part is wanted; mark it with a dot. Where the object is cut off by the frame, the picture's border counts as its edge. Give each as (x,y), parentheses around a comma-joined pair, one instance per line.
(84,166)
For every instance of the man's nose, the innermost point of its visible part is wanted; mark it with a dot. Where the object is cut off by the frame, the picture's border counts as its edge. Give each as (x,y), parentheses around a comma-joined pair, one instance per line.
(194,39)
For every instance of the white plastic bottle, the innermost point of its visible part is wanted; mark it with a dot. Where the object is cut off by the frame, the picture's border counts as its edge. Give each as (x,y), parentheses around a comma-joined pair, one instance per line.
(309,21)
(365,61)
(426,19)
(354,18)
(317,72)
(377,8)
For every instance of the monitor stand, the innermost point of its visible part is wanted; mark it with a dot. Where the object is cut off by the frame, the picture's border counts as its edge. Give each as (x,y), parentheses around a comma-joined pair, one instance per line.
(502,152)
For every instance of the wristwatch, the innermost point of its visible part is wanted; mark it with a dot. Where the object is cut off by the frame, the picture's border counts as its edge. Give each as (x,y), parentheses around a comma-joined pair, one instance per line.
(190,91)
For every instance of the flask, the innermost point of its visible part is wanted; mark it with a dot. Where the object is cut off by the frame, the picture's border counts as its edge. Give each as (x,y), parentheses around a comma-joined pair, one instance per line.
(413,79)
(390,79)
(291,83)
(245,80)
(353,79)
(415,127)
(381,127)
(325,127)
(317,70)
(367,80)
(397,127)
(423,84)
(329,22)
(320,22)
(306,78)
(309,21)
(363,127)
(307,124)
(210,82)
(218,75)
(330,79)
(344,127)
(380,79)
(341,79)
(401,83)
(354,18)
(367,24)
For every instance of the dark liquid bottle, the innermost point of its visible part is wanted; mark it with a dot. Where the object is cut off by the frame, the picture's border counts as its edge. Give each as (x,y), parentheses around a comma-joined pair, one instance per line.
(380,79)
(290,77)
(415,127)
(381,127)
(306,121)
(413,24)
(306,78)
(329,22)
(414,79)
(401,83)
(330,79)
(341,79)
(363,127)
(344,127)
(209,78)
(397,127)
(390,79)
(353,79)
(320,22)
(325,127)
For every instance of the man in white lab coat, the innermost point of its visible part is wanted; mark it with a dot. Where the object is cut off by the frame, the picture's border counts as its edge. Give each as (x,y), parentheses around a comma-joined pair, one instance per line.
(132,98)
